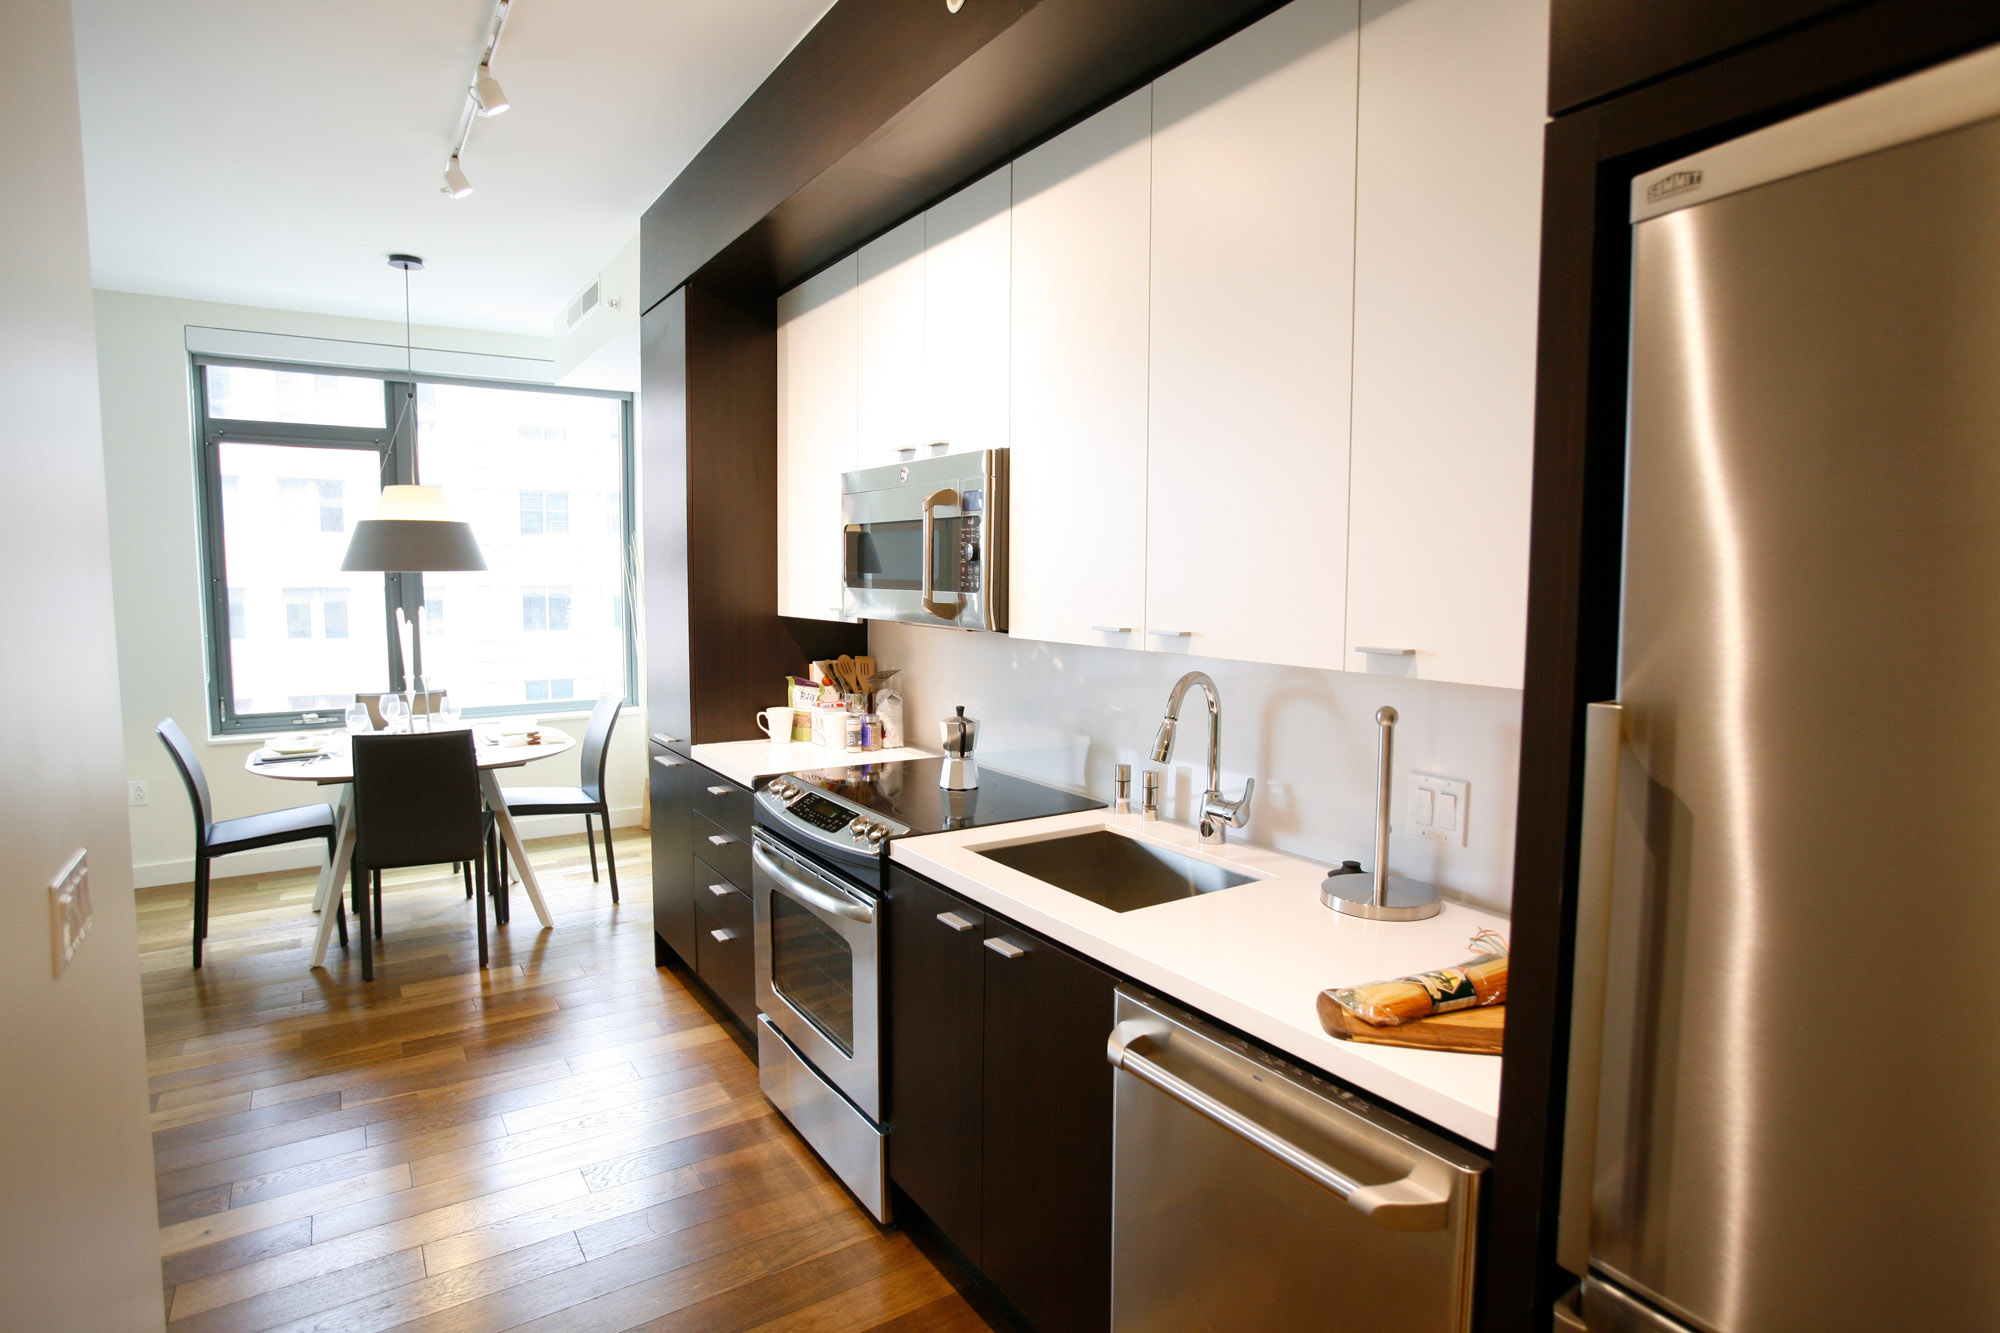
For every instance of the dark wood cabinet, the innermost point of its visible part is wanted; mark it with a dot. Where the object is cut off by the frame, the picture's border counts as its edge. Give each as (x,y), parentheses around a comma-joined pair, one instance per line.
(671,777)
(1047,1211)
(1598,48)
(936,987)
(1000,1100)
(724,948)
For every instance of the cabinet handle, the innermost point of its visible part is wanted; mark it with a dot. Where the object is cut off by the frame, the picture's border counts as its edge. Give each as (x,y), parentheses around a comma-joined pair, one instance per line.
(661,737)
(957,922)
(1171,633)
(1387,652)
(720,890)
(720,839)
(720,791)
(722,936)
(1112,629)
(665,762)
(1005,948)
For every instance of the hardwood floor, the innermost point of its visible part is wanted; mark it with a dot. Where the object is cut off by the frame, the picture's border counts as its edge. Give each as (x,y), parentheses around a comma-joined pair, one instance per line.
(567,1142)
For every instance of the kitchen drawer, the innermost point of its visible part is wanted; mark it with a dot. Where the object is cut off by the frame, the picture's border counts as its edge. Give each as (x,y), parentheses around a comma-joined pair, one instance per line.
(723,848)
(723,943)
(727,804)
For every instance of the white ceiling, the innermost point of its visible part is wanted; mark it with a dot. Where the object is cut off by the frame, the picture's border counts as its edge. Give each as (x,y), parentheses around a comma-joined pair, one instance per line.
(274,152)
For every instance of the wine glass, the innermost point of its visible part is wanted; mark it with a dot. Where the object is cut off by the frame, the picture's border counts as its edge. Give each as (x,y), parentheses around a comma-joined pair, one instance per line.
(358,720)
(395,712)
(448,712)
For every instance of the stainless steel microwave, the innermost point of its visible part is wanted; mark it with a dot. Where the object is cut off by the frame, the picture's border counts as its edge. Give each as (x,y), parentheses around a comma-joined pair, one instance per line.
(927,541)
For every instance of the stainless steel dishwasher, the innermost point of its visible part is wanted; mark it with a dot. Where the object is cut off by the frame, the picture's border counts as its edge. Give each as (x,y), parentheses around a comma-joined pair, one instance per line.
(1249,1194)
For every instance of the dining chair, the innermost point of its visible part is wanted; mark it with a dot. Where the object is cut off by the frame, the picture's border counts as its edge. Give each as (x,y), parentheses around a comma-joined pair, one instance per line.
(221,837)
(416,803)
(420,704)
(587,799)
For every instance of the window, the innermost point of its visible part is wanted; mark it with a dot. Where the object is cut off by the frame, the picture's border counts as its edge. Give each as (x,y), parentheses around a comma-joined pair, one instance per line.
(545,609)
(544,513)
(293,457)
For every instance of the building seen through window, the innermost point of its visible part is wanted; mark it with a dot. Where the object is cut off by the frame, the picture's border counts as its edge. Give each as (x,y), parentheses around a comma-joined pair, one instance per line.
(296,458)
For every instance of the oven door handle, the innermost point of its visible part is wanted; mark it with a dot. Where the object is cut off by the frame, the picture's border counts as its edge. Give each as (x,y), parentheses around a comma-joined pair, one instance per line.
(944,496)
(792,886)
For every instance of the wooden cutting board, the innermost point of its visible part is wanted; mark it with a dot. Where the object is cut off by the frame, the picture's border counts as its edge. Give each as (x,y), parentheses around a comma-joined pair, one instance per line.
(1473,1031)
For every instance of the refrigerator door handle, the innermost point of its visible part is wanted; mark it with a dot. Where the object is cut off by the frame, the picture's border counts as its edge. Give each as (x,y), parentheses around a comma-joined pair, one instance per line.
(1419,1201)
(1602,734)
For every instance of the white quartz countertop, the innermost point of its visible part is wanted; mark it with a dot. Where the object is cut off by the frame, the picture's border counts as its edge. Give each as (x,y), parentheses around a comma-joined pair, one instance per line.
(743,762)
(1255,956)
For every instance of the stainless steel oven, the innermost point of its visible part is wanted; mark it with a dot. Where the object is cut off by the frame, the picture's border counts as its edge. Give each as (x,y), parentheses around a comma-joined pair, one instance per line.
(819,989)
(927,541)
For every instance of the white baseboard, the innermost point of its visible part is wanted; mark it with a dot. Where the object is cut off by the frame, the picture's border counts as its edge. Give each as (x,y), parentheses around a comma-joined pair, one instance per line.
(305,855)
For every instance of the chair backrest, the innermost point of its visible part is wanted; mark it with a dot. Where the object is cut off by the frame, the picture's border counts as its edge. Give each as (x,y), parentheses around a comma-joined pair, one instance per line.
(416,799)
(418,705)
(191,774)
(596,740)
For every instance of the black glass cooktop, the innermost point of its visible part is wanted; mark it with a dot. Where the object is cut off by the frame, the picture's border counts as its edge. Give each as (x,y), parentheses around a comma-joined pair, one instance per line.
(907,791)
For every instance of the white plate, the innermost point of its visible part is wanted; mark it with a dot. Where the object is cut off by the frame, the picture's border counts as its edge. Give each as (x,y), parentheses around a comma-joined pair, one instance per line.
(291,745)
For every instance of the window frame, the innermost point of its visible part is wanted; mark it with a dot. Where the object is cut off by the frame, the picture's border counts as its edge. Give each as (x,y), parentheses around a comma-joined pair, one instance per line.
(396,443)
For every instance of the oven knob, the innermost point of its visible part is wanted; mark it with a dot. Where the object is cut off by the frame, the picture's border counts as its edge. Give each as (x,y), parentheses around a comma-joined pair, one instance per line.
(859,826)
(783,789)
(877,832)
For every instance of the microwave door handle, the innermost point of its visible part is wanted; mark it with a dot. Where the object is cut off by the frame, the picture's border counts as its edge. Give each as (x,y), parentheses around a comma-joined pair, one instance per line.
(788,883)
(945,496)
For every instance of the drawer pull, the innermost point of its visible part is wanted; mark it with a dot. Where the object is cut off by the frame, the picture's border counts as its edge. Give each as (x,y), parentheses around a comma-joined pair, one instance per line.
(665,762)
(1005,948)
(661,738)
(720,890)
(957,922)
(720,839)
(722,936)
(720,791)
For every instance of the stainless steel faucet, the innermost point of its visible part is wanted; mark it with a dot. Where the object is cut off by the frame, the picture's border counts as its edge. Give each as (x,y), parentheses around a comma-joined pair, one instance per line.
(1216,812)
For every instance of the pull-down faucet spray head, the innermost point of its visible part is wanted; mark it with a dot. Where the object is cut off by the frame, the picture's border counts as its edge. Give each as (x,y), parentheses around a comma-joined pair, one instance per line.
(1163,743)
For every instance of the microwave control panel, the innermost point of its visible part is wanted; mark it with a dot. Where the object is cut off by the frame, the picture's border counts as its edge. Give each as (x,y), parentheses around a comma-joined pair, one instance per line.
(968,541)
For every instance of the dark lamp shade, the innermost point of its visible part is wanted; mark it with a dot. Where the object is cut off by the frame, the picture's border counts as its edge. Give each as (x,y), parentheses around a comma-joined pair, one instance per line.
(402,545)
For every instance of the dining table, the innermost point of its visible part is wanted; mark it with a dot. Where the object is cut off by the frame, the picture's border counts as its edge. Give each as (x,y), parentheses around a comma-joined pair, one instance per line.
(333,766)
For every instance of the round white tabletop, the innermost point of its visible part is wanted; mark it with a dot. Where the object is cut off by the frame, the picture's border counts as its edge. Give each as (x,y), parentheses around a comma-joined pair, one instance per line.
(335,766)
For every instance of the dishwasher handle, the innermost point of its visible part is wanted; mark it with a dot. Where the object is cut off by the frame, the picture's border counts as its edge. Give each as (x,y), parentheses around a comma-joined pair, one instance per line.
(1420,1201)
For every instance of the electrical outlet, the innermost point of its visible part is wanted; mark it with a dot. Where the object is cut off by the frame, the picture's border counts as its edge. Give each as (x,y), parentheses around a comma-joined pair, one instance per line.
(1437,808)
(69,910)
(135,792)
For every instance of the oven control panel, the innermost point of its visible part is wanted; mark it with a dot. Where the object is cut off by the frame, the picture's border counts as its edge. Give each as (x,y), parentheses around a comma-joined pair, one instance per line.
(828,819)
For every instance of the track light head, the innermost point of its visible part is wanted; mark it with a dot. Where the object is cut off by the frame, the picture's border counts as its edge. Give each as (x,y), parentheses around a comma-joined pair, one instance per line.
(486,91)
(455,183)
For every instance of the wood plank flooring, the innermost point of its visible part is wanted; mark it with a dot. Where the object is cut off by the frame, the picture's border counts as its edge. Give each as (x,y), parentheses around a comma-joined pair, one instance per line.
(569,1141)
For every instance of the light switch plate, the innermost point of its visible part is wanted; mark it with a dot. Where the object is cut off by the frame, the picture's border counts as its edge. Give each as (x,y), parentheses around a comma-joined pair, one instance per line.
(69,909)
(1435,802)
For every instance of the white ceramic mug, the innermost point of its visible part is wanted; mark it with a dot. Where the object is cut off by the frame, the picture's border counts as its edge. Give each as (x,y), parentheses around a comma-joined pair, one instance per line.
(777,724)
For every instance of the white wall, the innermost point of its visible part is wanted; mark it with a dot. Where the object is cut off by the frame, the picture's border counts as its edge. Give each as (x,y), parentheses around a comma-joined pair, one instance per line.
(1067,715)
(150,464)
(79,1245)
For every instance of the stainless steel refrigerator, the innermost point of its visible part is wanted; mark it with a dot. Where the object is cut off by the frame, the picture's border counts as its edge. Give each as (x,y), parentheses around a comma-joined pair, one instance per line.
(1785,1074)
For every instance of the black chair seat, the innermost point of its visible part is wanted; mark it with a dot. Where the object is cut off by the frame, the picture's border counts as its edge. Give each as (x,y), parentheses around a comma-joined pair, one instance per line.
(269,829)
(549,800)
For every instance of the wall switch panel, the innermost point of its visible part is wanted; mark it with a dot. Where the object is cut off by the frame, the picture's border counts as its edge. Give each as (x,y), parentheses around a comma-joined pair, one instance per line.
(1437,808)
(136,793)
(69,910)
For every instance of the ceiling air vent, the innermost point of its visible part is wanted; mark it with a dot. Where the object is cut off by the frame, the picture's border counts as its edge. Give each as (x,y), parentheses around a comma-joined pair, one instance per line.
(581,306)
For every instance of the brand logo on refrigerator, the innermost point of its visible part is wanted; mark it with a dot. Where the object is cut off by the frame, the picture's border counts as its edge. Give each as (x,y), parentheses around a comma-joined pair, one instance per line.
(1673,183)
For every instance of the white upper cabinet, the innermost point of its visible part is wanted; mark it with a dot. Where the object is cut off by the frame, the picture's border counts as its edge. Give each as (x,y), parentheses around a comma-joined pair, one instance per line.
(894,404)
(1078,438)
(1252,300)
(967,240)
(818,433)
(1447,251)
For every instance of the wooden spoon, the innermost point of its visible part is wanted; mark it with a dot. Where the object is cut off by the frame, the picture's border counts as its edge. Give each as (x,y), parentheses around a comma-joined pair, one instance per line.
(843,667)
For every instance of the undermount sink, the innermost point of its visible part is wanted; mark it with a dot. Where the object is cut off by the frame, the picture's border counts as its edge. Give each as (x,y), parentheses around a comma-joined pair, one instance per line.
(1114,871)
